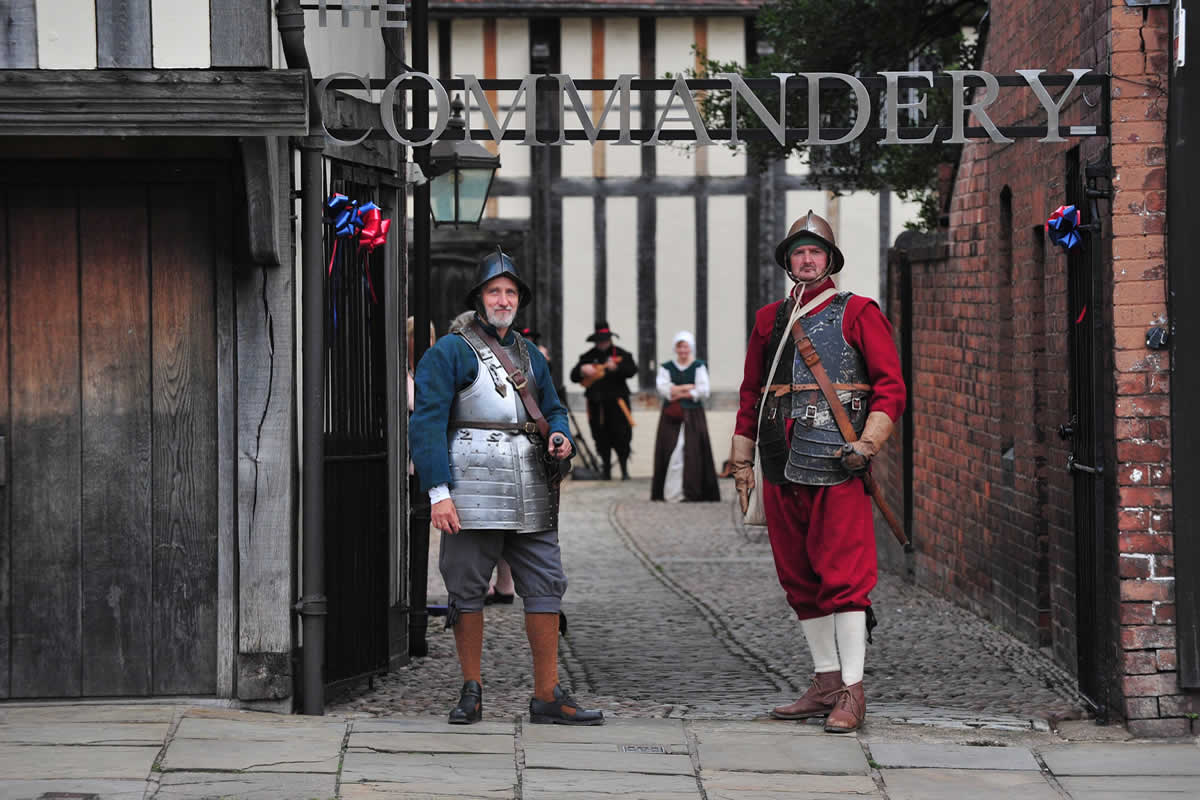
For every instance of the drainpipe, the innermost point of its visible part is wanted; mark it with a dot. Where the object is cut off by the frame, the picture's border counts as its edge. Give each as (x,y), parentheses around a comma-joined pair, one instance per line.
(312,604)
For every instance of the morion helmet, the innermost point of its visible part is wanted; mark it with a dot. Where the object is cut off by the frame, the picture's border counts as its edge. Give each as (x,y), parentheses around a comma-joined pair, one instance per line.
(495,265)
(815,227)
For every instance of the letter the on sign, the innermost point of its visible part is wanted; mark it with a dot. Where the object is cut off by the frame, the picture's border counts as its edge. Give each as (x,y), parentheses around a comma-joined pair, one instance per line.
(992,87)
(861,98)
(1048,103)
(566,88)
(778,128)
(528,88)
(892,106)
(681,90)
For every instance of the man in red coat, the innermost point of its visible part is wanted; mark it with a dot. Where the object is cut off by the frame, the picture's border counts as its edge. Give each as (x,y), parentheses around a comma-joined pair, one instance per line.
(819,516)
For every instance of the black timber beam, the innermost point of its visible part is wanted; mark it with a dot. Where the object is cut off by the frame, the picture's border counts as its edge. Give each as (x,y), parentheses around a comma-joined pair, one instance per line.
(153,103)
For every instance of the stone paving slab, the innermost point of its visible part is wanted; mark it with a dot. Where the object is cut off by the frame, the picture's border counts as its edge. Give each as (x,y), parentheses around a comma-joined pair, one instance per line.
(240,755)
(613,731)
(61,762)
(283,728)
(952,756)
(431,725)
(1105,758)
(251,786)
(133,734)
(85,712)
(1153,787)
(557,784)
(604,758)
(463,774)
(431,743)
(957,784)
(719,785)
(107,789)
(389,791)
(767,752)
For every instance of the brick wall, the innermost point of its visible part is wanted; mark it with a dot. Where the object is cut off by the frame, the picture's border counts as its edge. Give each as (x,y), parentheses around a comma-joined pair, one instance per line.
(1154,703)
(990,325)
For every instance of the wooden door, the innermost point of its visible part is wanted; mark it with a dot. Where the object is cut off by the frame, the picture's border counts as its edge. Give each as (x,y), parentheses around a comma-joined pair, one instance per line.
(108,523)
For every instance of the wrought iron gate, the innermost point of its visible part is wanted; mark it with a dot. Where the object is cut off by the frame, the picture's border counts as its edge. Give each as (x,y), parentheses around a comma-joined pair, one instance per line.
(1085,429)
(356,467)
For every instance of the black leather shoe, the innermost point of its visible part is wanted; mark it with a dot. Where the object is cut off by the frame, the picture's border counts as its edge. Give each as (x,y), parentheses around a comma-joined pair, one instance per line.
(470,705)
(563,711)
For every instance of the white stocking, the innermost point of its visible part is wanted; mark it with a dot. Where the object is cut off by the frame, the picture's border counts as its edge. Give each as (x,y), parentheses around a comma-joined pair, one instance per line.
(852,644)
(822,643)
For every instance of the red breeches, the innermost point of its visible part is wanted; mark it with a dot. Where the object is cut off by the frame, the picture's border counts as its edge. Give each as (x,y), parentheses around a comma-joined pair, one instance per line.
(823,540)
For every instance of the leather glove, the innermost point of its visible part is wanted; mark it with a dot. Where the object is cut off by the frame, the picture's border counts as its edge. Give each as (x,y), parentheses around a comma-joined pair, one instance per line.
(741,456)
(856,456)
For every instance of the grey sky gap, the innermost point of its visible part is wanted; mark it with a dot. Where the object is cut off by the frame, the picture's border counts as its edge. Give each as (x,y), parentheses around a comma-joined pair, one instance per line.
(742,91)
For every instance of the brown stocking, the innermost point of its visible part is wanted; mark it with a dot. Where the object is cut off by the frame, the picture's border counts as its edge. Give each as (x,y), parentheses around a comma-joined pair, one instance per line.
(542,630)
(468,640)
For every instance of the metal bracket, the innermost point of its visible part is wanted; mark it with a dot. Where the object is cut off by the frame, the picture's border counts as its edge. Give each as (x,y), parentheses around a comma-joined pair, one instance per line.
(312,606)
(1138,3)
(1074,465)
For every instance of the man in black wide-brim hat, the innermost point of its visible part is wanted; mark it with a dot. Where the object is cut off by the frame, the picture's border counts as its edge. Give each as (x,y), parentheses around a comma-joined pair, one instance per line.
(603,371)
(486,403)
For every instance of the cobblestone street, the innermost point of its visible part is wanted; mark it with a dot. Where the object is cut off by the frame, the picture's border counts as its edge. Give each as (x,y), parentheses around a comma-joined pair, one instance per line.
(674,611)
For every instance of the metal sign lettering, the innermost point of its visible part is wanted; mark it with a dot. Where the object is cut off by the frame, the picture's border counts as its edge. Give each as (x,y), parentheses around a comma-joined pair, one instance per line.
(972,93)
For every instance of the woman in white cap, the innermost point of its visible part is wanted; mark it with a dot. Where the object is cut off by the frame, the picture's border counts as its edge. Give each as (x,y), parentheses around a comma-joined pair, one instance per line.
(683,461)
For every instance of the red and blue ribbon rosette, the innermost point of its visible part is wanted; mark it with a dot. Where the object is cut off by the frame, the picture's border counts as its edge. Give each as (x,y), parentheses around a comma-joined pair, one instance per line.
(1063,226)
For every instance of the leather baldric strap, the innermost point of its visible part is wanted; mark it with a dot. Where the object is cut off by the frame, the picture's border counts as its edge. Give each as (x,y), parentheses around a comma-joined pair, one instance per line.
(780,389)
(806,351)
(516,377)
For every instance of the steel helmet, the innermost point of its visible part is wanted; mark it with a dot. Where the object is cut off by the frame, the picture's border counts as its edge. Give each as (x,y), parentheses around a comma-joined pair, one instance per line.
(814,227)
(495,265)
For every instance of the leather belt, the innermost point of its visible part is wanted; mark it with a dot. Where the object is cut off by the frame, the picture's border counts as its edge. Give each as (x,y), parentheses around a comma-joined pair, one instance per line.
(516,427)
(780,389)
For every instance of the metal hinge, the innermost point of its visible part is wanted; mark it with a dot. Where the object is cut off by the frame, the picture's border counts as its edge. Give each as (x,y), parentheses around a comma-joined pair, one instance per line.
(1072,464)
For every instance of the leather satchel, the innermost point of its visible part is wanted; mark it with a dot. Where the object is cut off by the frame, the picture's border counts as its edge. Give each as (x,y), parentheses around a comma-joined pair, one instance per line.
(673,410)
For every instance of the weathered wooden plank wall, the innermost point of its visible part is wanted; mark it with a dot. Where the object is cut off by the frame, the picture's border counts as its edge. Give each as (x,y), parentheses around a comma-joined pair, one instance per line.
(123,34)
(18,34)
(44,341)
(241,33)
(227,558)
(185,436)
(5,490)
(116,429)
(265,300)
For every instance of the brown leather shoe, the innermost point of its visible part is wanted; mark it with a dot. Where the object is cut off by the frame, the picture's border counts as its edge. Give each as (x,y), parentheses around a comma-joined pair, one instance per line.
(817,701)
(849,709)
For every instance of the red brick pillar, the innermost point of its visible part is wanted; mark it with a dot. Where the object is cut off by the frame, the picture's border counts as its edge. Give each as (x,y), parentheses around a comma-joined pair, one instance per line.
(1154,704)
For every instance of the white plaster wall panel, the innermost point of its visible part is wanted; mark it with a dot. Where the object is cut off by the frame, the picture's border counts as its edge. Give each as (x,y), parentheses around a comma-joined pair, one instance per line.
(576,61)
(796,163)
(66,34)
(674,38)
(512,48)
(675,270)
(726,291)
(858,239)
(354,49)
(726,42)
(515,157)
(798,203)
(513,207)
(180,34)
(622,274)
(903,211)
(579,284)
(621,55)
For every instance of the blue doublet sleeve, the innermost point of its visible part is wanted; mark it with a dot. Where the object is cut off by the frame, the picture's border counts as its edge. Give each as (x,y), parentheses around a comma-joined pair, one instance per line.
(445,369)
(548,400)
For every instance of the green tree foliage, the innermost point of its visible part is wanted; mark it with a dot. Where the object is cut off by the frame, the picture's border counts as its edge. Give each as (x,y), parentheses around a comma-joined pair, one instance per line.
(856,37)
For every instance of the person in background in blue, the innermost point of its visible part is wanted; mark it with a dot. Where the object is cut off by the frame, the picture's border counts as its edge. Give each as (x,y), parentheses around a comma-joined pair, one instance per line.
(492,472)
(683,461)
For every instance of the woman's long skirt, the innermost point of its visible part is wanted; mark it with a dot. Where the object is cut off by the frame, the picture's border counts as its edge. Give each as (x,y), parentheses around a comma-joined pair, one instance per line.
(683,460)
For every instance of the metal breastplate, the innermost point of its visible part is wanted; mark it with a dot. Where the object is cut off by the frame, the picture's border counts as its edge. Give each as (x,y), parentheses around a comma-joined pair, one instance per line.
(496,466)
(814,458)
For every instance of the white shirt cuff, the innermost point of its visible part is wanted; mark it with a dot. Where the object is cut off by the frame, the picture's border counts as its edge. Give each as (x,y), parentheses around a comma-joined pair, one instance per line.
(439,493)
